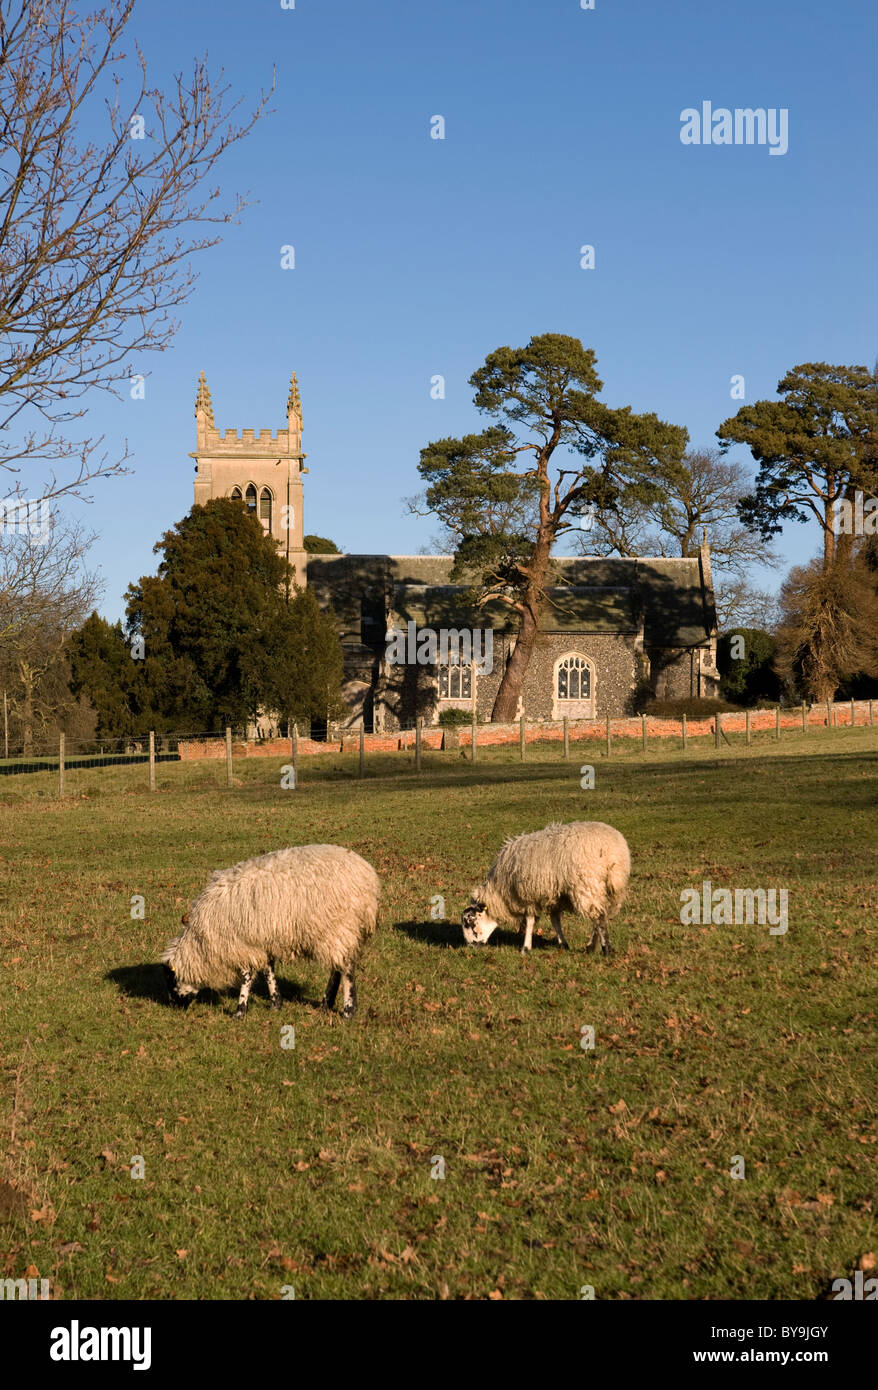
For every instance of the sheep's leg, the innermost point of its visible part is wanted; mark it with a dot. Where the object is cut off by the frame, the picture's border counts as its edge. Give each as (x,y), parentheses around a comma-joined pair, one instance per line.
(528,934)
(244,996)
(349,995)
(606,948)
(599,932)
(331,990)
(273,991)
(555,916)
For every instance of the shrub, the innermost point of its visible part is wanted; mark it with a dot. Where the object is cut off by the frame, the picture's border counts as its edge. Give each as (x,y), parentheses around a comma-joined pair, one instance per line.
(452,718)
(745,658)
(693,708)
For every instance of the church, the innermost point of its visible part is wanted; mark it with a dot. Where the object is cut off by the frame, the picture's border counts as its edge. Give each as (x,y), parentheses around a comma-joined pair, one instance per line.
(611,628)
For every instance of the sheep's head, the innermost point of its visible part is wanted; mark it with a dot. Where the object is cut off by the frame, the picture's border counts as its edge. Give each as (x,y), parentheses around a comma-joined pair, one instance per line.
(180,992)
(477,925)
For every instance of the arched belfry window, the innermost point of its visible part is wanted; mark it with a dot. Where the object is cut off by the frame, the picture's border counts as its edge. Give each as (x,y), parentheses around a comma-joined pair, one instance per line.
(237,494)
(250,495)
(265,504)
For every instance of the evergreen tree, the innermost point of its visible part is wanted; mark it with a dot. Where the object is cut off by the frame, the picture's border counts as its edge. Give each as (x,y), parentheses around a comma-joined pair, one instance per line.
(507,517)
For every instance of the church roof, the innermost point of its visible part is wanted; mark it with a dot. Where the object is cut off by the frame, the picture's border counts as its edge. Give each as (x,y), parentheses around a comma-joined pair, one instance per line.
(591,594)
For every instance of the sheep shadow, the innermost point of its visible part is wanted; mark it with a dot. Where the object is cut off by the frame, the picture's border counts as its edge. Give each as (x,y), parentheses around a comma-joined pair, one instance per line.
(451,934)
(147,981)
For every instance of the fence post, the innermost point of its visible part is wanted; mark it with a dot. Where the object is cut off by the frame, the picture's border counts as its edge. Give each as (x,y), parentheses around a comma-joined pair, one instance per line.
(295,753)
(362,750)
(228,755)
(522,736)
(61,741)
(418,744)
(777,722)
(608,735)
(871,718)
(747,724)
(566,738)
(804,719)
(853,715)
(829,712)
(716,729)
(152,760)
(683,721)
(643,731)
(475,737)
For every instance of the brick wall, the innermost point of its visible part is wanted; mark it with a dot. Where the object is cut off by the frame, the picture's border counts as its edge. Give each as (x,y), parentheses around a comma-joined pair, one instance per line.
(580,730)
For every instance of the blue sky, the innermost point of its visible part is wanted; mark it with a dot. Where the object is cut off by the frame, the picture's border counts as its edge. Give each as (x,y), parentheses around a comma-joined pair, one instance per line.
(417,256)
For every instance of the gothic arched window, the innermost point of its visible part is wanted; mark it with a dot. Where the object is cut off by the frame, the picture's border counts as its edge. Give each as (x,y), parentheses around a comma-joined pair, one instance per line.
(573,678)
(237,495)
(265,501)
(455,682)
(251,499)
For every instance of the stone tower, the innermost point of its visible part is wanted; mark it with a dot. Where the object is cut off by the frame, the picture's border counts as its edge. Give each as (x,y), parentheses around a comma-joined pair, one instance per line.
(261,468)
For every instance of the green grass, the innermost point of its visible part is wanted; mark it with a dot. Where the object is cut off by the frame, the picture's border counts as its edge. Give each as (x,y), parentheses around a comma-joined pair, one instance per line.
(311,1167)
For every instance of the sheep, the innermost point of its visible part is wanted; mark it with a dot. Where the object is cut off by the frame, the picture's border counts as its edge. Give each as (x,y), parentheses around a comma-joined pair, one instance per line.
(579,867)
(317,901)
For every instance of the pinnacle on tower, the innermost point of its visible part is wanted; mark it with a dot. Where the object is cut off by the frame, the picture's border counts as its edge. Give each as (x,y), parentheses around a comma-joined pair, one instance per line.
(294,403)
(202,400)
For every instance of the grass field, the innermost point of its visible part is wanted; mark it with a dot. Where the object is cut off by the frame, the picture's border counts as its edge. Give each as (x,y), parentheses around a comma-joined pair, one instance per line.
(310,1168)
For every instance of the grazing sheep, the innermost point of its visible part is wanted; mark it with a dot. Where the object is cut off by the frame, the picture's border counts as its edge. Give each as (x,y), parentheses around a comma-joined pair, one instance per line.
(580,867)
(317,901)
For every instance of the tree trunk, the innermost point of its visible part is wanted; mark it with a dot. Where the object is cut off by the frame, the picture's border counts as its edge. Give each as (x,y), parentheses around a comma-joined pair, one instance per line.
(27,708)
(829,526)
(506,704)
(505,709)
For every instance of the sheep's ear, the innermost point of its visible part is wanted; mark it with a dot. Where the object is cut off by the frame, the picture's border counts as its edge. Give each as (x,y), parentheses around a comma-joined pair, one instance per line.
(185,919)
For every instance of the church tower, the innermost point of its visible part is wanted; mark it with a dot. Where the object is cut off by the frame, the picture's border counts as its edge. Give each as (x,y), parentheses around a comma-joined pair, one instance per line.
(263,469)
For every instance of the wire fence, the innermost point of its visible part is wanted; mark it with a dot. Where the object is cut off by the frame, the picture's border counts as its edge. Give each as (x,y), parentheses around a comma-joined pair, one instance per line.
(238,758)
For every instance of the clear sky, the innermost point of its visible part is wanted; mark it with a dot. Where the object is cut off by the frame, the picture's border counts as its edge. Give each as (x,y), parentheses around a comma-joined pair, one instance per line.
(417,257)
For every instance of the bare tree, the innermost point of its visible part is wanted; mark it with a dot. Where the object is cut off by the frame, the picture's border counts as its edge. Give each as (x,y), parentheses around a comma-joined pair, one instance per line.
(45,592)
(740,604)
(699,499)
(96,235)
(44,571)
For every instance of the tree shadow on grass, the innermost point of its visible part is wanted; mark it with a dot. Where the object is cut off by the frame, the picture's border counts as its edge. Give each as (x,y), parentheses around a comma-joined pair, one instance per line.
(148,982)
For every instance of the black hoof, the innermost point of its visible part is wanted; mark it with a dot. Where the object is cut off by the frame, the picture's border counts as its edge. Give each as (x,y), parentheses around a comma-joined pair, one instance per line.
(277,1003)
(239,1013)
(565,945)
(590,947)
